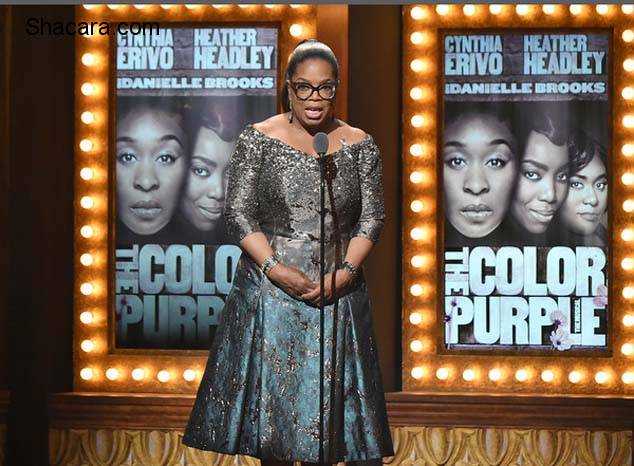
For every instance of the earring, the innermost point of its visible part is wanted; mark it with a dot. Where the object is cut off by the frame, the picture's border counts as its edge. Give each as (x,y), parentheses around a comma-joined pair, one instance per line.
(290,112)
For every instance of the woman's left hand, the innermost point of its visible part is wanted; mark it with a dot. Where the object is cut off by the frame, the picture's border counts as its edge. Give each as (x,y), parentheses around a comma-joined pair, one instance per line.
(342,280)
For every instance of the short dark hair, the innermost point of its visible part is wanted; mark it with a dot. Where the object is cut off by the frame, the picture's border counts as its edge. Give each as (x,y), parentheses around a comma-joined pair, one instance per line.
(503,112)
(583,149)
(175,106)
(305,50)
(550,119)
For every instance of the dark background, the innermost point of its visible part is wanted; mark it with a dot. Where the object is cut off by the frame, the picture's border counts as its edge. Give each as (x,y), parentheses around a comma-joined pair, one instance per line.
(36,206)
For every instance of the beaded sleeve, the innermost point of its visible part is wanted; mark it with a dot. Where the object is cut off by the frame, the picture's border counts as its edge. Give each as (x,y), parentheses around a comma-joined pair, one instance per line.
(241,204)
(372,215)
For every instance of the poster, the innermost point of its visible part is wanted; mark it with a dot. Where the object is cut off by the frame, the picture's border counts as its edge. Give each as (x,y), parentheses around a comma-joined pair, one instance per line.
(525,162)
(184,94)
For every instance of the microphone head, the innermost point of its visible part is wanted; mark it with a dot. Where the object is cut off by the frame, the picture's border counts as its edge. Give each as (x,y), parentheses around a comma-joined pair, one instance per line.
(320,143)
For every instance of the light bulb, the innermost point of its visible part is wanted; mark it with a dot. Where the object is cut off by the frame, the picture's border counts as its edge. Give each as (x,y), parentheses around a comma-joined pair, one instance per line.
(86,145)
(417,13)
(417,121)
(495,9)
(416,93)
(521,375)
(416,346)
(88,59)
(521,9)
(296,30)
(575,9)
(442,10)
(86,174)
(87,346)
(469,10)
(87,89)
(87,117)
(416,38)
(416,206)
(87,202)
(442,373)
(574,377)
(86,259)
(417,233)
(86,231)
(416,150)
(602,9)
(601,377)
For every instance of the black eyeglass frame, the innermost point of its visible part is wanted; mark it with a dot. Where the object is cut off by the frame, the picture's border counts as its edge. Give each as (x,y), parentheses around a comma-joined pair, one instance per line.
(314,89)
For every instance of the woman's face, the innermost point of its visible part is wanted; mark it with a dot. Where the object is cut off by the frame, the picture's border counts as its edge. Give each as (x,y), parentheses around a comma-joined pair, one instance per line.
(543,183)
(314,111)
(478,174)
(587,199)
(150,168)
(204,197)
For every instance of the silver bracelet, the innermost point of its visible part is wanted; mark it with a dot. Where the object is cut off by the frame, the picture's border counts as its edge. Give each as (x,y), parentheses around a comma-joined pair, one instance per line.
(350,268)
(269,263)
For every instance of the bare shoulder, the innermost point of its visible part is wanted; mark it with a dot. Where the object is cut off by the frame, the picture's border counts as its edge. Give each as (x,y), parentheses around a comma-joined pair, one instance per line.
(272,126)
(351,134)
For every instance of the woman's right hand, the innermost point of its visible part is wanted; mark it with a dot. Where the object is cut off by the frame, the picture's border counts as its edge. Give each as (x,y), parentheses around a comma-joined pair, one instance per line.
(293,281)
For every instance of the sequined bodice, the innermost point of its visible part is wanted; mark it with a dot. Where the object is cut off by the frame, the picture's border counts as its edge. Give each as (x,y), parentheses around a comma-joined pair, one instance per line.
(274,187)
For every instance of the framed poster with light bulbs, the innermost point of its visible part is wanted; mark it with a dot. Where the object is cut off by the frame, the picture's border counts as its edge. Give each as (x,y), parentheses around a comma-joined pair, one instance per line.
(162,96)
(516,185)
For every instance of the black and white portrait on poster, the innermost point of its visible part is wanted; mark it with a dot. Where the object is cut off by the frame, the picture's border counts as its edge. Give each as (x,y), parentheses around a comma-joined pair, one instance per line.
(183,96)
(525,164)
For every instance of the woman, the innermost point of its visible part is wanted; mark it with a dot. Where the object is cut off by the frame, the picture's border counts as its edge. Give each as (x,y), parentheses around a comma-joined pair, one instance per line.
(584,209)
(151,160)
(479,169)
(543,179)
(203,199)
(259,393)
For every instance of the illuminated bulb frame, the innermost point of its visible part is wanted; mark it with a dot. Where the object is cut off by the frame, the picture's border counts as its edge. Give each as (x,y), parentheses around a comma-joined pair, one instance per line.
(429,304)
(100,302)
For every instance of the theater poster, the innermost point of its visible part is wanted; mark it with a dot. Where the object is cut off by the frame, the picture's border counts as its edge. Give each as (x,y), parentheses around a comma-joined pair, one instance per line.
(183,95)
(525,148)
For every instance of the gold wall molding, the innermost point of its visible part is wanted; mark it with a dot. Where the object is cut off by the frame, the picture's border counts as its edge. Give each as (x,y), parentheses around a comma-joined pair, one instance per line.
(414,446)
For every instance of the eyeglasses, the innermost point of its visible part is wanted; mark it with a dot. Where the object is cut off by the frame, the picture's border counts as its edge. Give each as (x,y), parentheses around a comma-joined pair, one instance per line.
(304,91)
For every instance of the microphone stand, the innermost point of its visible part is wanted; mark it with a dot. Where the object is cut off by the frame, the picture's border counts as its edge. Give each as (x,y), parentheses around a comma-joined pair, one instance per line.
(322,247)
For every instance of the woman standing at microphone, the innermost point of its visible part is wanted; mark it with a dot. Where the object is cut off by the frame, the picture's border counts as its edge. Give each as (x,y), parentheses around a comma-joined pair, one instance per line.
(259,395)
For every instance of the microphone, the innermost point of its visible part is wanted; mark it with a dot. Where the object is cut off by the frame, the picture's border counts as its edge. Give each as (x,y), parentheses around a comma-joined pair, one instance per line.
(320,143)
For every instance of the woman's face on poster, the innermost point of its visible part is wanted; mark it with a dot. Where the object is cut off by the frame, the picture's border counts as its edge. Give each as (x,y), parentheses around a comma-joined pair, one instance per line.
(542,184)
(478,174)
(587,198)
(150,168)
(204,197)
